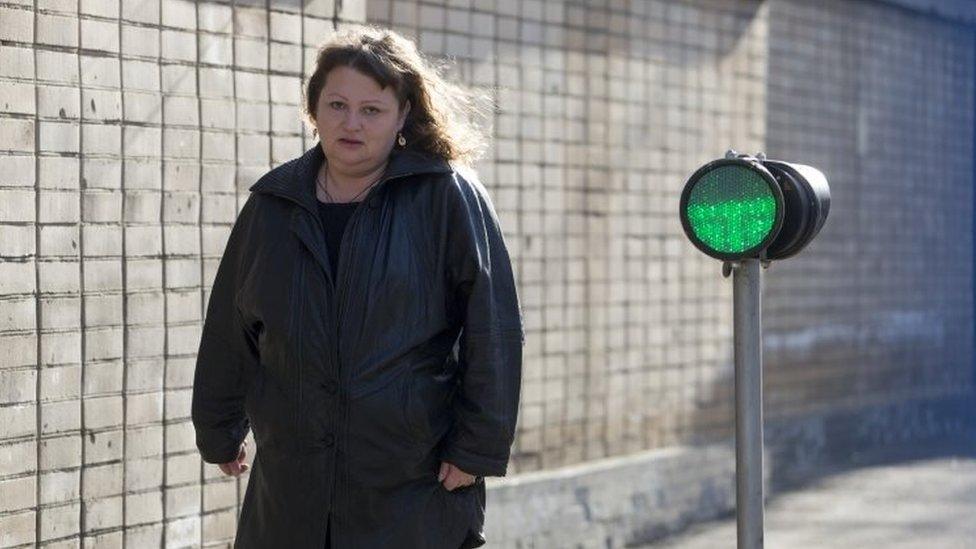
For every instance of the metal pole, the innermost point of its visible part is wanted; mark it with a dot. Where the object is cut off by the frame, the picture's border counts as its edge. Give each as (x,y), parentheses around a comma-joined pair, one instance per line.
(747,286)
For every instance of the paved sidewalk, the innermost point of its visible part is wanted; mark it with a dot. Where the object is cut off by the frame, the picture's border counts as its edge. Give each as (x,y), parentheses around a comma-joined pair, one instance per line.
(925,504)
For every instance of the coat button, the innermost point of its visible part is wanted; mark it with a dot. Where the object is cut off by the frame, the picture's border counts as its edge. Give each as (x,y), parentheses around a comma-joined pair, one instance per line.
(330,386)
(328,440)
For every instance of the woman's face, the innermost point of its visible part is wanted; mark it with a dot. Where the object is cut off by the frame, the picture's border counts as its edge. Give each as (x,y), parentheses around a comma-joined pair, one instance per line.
(357,121)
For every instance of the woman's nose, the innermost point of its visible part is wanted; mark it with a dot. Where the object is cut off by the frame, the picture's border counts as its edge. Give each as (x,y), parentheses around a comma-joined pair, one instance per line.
(351,121)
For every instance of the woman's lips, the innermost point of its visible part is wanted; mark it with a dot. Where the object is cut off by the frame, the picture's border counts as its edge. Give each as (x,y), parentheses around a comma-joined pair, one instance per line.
(349,142)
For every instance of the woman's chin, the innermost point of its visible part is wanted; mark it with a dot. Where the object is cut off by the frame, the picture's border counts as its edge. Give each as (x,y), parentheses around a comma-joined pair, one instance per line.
(358,160)
(346,156)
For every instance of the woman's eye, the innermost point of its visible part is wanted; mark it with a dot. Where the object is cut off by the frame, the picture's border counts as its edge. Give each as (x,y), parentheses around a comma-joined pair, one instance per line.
(371,110)
(336,105)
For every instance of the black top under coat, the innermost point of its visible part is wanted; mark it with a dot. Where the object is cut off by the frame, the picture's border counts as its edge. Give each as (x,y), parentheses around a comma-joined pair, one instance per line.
(334,217)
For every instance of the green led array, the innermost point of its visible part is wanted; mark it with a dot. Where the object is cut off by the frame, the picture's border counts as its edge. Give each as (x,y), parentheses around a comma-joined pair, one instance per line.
(731,209)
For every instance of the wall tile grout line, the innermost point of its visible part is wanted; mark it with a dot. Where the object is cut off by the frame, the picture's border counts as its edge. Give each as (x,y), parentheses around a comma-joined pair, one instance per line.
(37,291)
(81,293)
(589,293)
(162,268)
(124,260)
(202,271)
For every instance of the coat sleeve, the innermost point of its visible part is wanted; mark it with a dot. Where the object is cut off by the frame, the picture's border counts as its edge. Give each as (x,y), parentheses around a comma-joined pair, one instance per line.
(227,353)
(492,336)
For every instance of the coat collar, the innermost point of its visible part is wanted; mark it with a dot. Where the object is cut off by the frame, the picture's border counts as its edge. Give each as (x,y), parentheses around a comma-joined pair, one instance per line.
(295,179)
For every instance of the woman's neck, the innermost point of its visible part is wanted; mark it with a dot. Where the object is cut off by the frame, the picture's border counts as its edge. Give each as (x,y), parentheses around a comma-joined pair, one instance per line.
(345,186)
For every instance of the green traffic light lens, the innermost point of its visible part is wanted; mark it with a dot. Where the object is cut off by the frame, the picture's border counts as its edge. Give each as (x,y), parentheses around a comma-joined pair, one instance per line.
(731,209)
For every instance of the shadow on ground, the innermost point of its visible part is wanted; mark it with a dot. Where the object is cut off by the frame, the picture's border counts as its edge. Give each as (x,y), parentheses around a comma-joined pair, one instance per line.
(912,497)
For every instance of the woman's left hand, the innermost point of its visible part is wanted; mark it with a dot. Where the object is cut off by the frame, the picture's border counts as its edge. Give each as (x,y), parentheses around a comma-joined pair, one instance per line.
(452,477)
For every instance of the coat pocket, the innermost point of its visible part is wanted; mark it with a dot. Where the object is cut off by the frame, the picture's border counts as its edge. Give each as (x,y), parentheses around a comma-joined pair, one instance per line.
(257,410)
(466,506)
(427,399)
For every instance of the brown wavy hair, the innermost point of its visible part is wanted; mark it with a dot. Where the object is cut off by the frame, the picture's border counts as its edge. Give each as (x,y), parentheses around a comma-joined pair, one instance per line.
(442,115)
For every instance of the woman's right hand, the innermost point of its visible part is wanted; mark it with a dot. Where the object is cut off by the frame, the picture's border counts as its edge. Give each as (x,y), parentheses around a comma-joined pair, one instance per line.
(236,467)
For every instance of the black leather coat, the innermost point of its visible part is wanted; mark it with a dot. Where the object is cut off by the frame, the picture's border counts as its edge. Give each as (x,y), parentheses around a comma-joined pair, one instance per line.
(358,384)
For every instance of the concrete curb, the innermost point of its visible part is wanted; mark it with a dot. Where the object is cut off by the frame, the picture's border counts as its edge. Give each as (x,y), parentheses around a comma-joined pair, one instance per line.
(613,502)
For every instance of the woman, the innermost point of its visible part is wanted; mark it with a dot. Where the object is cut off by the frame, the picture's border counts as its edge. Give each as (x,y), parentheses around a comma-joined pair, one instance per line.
(364,321)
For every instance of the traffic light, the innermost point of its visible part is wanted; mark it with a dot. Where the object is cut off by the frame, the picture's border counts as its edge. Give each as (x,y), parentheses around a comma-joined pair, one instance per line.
(747,210)
(742,207)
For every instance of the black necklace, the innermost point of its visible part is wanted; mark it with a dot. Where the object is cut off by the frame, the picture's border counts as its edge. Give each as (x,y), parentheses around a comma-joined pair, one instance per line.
(324,184)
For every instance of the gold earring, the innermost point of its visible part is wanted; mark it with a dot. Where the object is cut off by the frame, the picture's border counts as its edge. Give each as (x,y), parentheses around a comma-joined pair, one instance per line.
(402,141)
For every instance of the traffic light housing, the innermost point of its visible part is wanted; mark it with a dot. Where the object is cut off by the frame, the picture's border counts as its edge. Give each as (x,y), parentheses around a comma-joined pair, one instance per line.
(742,207)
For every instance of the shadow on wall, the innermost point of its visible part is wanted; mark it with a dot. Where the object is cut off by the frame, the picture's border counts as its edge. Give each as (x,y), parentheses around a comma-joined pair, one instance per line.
(681,34)
(868,334)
